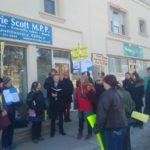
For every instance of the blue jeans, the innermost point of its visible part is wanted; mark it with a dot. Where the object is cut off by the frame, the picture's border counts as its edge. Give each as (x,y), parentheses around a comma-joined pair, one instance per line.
(113,139)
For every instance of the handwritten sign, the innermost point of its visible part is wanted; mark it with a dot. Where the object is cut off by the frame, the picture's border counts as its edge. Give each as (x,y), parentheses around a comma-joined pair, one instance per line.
(79,53)
(100,60)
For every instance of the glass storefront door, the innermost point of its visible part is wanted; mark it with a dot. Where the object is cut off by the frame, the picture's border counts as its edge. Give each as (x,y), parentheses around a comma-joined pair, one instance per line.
(61,62)
(14,66)
(62,68)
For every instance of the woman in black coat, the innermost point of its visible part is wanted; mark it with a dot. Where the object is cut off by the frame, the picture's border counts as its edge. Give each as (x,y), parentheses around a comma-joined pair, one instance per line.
(138,94)
(36,105)
(67,94)
(111,119)
(57,104)
(128,83)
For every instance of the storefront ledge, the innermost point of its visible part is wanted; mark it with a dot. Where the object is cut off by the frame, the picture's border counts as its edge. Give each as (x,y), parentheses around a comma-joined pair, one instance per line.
(52,17)
(119,36)
(143,35)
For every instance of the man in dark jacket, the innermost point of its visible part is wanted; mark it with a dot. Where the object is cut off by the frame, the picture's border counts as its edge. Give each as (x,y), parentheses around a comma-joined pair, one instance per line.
(67,93)
(48,81)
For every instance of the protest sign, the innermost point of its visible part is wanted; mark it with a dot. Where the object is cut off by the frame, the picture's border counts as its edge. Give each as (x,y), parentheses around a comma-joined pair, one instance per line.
(92,121)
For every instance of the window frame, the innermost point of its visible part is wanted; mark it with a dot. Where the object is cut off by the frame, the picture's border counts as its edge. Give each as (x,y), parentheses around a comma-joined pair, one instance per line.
(145,27)
(58,17)
(55,8)
(122,21)
(25,53)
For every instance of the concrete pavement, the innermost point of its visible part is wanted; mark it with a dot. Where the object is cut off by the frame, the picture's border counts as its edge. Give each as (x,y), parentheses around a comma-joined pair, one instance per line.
(140,139)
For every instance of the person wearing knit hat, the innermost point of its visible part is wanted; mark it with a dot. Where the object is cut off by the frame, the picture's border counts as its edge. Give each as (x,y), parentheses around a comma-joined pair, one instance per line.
(111,119)
(7,134)
(7,80)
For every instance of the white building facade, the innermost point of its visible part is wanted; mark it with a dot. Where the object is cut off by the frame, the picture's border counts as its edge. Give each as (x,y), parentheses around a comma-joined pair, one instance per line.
(118,29)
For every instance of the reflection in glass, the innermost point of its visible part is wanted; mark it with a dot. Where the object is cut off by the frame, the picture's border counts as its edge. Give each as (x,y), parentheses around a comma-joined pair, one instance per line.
(14,66)
(43,64)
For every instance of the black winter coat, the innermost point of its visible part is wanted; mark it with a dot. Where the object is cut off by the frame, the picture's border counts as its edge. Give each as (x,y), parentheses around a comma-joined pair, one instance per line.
(67,90)
(47,84)
(56,105)
(36,101)
(110,111)
(99,90)
(128,85)
(138,93)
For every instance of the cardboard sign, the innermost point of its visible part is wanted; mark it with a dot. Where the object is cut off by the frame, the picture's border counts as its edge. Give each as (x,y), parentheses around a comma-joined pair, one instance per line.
(100,60)
(140,116)
(79,53)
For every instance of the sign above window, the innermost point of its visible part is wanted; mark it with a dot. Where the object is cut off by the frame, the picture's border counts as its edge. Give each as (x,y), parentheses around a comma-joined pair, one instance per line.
(133,50)
(19,29)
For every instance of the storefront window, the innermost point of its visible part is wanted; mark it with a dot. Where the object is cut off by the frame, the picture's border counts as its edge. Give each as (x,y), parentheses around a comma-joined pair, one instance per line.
(141,67)
(62,54)
(43,64)
(14,66)
(118,67)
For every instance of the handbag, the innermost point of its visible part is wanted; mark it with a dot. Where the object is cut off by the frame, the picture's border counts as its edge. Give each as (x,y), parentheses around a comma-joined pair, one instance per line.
(31,113)
(32,116)
(4,122)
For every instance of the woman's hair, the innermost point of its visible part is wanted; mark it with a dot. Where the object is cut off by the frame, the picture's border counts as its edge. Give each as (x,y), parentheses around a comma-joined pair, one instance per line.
(86,84)
(34,85)
(111,80)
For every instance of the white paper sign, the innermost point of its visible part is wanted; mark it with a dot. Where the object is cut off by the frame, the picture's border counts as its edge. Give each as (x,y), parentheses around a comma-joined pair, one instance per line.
(11,96)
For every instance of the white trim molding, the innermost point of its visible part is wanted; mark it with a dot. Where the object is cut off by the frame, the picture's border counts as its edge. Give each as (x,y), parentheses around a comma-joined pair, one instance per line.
(51,17)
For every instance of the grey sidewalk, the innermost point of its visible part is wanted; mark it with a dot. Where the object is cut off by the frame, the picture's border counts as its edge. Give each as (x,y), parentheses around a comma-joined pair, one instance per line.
(140,139)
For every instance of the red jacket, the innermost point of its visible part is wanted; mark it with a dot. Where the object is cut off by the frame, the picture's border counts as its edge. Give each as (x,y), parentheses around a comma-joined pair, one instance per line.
(84,100)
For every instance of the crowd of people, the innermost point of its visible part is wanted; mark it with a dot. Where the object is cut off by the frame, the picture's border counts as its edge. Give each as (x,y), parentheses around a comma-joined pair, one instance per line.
(111,101)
